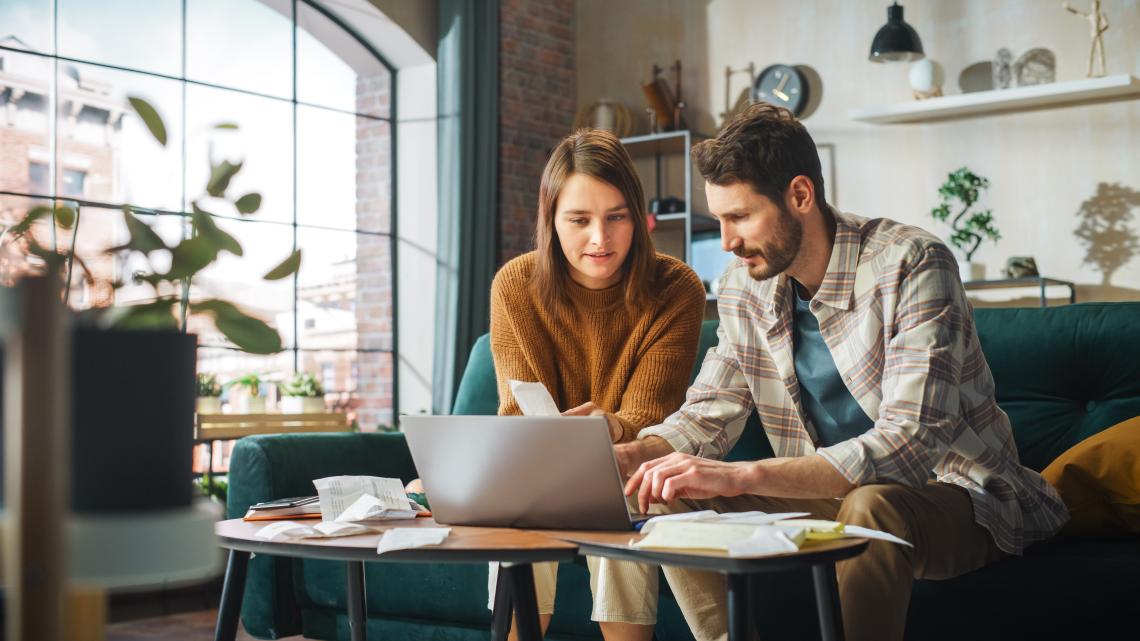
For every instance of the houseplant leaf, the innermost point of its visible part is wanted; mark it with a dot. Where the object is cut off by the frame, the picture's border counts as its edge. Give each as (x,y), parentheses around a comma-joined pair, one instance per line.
(189,257)
(34,214)
(158,314)
(150,118)
(143,238)
(205,227)
(248,333)
(248,203)
(220,176)
(287,267)
(65,217)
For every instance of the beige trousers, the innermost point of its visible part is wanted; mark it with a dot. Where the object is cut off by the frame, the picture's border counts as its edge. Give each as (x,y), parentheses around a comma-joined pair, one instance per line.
(874,587)
(624,592)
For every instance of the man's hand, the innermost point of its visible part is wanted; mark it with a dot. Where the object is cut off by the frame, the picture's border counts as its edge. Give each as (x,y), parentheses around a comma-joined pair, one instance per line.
(631,455)
(589,409)
(686,476)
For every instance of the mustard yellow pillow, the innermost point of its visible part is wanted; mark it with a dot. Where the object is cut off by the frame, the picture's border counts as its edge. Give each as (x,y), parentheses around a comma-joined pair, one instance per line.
(1099,480)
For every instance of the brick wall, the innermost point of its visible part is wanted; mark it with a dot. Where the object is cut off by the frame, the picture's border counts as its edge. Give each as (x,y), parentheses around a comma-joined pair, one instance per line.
(536,107)
(373,254)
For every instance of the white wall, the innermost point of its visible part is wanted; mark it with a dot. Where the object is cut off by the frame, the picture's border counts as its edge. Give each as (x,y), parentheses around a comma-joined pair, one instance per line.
(1043,165)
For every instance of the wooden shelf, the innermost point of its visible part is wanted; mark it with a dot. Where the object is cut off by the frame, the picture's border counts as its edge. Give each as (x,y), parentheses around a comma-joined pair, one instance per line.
(210,427)
(986,103)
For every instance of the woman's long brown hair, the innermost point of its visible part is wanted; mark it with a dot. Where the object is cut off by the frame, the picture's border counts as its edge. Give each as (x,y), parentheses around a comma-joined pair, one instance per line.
(599,154)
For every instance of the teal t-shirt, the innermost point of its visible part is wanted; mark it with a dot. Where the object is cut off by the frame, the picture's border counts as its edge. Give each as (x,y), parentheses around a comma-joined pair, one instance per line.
(826,400)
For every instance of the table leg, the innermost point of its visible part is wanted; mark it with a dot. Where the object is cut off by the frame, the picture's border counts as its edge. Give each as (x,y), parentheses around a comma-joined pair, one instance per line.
(357,606)
(233,589)
(739,607)
(827,602)
(521,583)
(501,615)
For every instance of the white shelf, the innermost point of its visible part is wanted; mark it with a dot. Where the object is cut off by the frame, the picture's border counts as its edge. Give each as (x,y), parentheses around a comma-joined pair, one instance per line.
(983,103)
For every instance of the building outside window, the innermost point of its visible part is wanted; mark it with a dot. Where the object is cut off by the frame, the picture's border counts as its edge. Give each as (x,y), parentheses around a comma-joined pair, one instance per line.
(312,106)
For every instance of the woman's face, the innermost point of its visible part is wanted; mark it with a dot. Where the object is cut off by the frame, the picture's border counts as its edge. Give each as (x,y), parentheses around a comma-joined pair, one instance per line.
(595,230)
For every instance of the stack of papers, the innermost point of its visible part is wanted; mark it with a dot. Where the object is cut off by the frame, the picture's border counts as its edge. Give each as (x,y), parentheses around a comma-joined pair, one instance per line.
(741,534)
(364,498)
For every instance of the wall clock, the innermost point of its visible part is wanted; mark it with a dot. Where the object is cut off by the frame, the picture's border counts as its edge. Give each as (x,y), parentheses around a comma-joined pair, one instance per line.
(783,86)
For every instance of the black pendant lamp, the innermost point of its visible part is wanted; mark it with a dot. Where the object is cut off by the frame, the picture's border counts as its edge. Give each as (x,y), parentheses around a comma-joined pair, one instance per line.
(896,41)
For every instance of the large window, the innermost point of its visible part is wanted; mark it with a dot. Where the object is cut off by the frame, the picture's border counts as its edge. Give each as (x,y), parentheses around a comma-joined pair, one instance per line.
(313,108)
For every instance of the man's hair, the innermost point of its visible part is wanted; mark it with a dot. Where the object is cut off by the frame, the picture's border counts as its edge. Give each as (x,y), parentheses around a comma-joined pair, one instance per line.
(598,154)
(764,147)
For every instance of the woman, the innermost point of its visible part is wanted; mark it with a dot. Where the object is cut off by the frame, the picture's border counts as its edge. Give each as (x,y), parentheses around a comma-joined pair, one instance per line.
(609,326)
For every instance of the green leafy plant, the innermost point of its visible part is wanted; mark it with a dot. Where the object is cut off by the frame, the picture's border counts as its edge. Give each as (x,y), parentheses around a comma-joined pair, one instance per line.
(251,382)
(186,258)
(215,488)
(963,188)
(302,384)
(208,385)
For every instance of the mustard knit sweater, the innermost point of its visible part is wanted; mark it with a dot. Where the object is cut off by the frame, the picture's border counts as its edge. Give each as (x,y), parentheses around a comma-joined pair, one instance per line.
(634,367)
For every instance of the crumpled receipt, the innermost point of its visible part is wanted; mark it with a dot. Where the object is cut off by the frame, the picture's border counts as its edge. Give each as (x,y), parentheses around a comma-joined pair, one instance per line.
(406,538)
(290,530)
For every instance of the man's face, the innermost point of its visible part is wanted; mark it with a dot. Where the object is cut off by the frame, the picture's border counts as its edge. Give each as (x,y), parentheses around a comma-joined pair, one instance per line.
(763,233)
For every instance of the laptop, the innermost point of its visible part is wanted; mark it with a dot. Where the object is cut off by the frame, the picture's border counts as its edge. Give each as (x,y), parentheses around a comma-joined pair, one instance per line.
(556,472)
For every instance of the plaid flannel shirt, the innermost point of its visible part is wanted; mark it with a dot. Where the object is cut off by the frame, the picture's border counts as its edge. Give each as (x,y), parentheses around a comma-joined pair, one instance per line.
(894,315)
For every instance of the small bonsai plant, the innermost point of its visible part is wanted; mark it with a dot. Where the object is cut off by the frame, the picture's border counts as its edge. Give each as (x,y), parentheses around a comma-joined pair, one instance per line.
(963,188)
(302,394)
(209,393)
(252,402)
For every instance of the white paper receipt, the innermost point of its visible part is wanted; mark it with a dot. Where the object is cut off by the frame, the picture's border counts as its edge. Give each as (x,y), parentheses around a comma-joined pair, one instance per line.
(534,399)
(406,538)
(338,493)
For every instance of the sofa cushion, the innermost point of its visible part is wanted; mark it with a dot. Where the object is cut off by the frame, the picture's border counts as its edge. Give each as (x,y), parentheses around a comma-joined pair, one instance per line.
(478,392)
(1099,480)
(1062,373)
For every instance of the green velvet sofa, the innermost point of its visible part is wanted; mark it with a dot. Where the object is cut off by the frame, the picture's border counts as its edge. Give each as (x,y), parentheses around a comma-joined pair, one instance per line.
(1062,374)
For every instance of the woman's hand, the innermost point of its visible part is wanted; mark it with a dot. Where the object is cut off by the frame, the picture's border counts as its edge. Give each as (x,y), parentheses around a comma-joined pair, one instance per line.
(589,409)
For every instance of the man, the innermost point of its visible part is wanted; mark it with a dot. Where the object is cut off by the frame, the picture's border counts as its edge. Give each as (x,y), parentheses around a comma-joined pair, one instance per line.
(853,340)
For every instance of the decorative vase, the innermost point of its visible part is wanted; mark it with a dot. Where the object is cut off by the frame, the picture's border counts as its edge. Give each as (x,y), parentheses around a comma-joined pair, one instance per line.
(208,405)
(302,405)
(250,404)
(971,271)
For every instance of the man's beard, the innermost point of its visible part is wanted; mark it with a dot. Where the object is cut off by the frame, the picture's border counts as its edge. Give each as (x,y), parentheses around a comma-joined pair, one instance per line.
(779,252)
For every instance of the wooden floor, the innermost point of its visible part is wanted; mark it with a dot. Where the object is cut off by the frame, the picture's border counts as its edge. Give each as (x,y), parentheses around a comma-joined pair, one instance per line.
(187,626)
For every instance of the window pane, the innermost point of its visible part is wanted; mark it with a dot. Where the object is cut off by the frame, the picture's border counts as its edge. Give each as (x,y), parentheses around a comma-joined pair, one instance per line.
(27,25)
(335,70)
(262,140)
(25,147)
(102,138)
(245,44)
(358,383)
(326,289)
(344,172)
(126,33)
(240,279)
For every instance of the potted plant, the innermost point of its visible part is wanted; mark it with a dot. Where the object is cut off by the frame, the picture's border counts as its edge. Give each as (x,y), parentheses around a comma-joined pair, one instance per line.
(250,401)
(302,394)
(144,347)
(209,399)
(962,189)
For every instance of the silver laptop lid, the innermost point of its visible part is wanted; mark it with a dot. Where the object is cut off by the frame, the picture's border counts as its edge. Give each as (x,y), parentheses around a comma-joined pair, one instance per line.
(515,471)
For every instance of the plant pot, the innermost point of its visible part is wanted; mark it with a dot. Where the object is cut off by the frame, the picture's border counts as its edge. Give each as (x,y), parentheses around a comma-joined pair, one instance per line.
(971,271)
(250,404)
(302,404)
(134,454)
(208,405)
